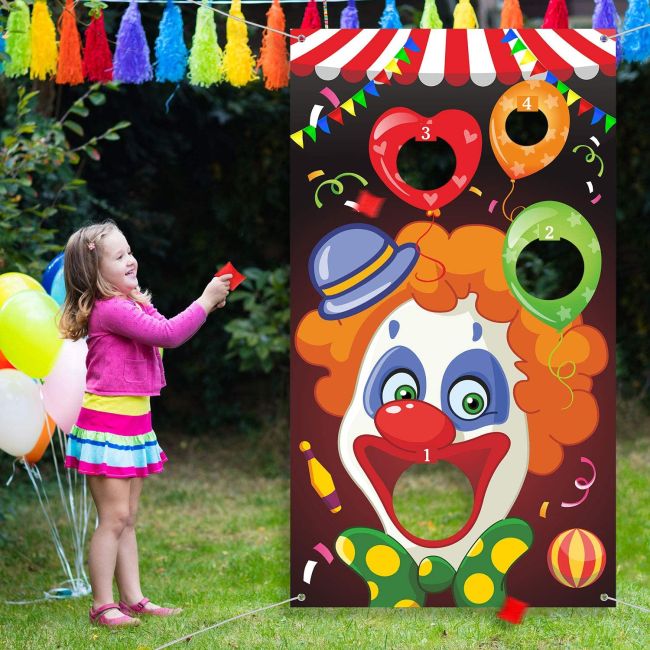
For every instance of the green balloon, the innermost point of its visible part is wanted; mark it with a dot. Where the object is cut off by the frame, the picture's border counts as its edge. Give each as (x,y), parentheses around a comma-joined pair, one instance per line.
(552,221)
(29,336)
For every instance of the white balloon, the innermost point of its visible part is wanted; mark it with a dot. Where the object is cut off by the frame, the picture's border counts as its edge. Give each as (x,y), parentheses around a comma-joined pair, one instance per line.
(63,388)
(21,412)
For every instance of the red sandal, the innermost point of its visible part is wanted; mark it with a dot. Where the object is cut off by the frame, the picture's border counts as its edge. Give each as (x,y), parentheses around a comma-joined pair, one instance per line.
(140,608)
(98,616)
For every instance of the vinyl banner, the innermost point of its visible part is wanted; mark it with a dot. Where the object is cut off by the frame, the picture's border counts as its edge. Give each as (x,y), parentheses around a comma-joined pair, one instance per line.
(453,318)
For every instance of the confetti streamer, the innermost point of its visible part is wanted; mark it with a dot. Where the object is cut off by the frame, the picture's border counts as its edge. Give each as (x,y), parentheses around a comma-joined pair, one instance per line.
(309,570)
(325,552)
(331,95)
(476,191)
(315,174)
(543,509)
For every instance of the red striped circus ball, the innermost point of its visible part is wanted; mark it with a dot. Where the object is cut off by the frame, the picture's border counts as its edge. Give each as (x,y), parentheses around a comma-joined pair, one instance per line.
(576,558)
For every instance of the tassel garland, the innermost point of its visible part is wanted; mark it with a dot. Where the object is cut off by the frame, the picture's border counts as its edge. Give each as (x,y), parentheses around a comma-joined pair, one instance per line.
(171,52)
(206,57)
(311,18)
(636,45)
(350,16)
(274,57)
(430,17)
(464,16)
(18,42)
(97,61)
(69,69)
(132,63)
(511,16)
(557,15)
(44,52)
(238,60)
(390,16)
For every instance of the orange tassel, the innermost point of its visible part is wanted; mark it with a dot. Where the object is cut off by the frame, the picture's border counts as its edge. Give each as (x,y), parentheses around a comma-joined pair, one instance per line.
(511,17)
(274,58)
(69,69)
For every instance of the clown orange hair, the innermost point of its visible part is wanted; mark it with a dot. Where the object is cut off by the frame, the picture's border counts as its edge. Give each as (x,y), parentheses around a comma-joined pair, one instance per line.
(450,267)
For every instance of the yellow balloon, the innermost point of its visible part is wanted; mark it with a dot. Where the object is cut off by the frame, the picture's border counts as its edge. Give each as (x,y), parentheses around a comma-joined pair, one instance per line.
(29,336)
(12,283)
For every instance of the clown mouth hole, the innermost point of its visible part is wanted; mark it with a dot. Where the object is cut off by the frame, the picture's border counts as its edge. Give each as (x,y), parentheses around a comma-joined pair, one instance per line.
(433,501)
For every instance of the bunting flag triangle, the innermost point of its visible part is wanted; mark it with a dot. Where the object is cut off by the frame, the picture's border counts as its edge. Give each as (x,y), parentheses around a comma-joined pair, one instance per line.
(336,115)
(297,138)
(323,125)
(562,87)
(371,89)
(598,115)
(393,66)
(610,120)
(584,106)
(382,78)
(551,78)
(348,107)
(410,45)
(518,47)
(311,132)
(538,69)
(359,98)
(572,97)
(510,36)
(403,56)
(528,57)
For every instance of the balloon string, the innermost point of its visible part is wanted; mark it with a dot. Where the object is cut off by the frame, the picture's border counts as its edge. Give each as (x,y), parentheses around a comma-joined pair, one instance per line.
(432,259)
(512,215)
(558,372)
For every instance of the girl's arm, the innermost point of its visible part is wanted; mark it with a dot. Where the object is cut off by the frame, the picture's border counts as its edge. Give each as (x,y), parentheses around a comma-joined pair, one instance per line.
(125,318)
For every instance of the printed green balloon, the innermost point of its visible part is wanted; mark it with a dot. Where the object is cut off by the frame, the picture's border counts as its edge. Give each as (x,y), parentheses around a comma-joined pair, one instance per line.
(552,221)
(29,336)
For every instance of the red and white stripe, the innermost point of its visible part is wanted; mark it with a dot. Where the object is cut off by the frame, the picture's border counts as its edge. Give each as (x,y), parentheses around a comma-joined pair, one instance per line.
(455,55)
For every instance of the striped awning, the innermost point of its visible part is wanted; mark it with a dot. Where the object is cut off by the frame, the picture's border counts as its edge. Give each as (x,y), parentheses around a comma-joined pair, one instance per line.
(455,55)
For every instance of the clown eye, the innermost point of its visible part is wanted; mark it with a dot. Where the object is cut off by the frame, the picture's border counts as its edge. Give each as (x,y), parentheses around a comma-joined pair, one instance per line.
(468,398)
(400,385)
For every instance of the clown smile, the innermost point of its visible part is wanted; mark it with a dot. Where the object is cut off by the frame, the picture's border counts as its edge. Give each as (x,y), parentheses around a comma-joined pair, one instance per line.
(384,463)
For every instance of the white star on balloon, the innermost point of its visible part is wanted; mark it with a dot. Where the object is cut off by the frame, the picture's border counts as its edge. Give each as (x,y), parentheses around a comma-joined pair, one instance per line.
(510,255)
(588,294)
(574,219)
(546,160)
(550,135)
(564,313)
(595,246)
(551,101)
(507,104)
(518,169)
(529,150)
(503,138)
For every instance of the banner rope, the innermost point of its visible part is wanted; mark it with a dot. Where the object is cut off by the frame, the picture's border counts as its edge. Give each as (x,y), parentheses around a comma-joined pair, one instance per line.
(605,597)
(187,637)
(604,37)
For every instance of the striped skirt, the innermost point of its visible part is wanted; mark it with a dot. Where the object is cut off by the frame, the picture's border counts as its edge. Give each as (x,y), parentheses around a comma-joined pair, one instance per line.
(113,438)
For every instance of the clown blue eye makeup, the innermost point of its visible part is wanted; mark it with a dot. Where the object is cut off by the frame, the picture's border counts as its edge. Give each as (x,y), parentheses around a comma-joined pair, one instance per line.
(398,374)
(475,391)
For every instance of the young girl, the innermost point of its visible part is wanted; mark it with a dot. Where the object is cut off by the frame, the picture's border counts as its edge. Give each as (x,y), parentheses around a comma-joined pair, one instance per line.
(113,442)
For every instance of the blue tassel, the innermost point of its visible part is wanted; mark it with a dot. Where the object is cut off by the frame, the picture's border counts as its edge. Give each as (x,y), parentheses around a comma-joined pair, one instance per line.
(636,45)
(2,49)
(390,17)
(171,53)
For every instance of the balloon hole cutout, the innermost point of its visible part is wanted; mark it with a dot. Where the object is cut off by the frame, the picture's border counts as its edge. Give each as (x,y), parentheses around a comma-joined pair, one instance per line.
(550,269)
(433,500)
(526,129)
(424,165)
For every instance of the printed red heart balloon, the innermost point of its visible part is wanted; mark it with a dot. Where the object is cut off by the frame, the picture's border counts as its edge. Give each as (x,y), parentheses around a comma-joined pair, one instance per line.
(399,125)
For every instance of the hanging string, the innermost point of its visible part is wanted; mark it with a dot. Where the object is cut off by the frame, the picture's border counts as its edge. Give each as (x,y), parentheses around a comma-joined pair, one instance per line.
(510,216)
(558,372)
(605,597)
(187,637)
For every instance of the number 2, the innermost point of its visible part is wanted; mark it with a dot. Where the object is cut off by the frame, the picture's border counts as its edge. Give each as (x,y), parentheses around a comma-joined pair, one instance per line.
(549,232)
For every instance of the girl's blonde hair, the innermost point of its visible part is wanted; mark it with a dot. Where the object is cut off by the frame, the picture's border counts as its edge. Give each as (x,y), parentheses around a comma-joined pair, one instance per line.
(84,283)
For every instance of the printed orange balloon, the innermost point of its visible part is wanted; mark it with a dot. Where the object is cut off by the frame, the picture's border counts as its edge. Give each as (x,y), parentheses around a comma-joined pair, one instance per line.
(3,362)
(519,160)
(576,558)
(43,441)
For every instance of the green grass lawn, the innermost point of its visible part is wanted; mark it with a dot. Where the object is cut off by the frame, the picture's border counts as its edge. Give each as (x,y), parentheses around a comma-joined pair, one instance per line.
(214,538)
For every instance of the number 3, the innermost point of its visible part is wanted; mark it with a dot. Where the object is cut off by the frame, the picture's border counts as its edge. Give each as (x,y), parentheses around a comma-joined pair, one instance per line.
(425,133)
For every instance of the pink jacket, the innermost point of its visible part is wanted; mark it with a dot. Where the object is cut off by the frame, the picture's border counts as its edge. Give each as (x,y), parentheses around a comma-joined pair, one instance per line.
(123,342)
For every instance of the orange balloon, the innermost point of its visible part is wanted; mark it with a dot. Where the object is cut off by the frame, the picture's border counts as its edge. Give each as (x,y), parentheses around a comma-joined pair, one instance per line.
(4,364)
(43,441)
(518,160)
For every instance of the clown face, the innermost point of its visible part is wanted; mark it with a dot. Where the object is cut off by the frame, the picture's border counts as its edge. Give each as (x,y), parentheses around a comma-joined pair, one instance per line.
(437,387)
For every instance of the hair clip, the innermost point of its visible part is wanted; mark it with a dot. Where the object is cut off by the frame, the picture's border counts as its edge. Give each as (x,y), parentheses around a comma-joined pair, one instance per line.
(91,245)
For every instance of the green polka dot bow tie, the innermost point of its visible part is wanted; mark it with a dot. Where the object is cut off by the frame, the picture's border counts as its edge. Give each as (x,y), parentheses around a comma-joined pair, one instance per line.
(395,580)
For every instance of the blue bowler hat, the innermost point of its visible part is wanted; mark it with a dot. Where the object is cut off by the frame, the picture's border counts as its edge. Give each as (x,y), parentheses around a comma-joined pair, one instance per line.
(355,266)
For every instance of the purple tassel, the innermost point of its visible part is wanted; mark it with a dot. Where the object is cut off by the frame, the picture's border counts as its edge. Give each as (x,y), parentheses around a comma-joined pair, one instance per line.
(350,16)
(606,17)
(131,62)
(636,44)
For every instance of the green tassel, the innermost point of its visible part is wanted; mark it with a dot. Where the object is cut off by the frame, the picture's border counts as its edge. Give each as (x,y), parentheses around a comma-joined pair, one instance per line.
(206,57)
(18,40)
(430,17)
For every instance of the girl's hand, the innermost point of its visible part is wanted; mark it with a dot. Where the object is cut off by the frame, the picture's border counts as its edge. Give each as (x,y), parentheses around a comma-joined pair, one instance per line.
(215,293)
